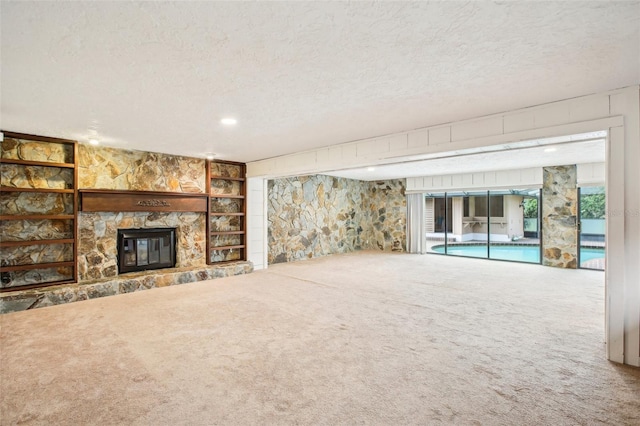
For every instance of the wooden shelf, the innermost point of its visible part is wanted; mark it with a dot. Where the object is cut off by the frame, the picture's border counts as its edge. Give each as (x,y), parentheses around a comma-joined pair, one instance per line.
(36,266)
(214,248)
(37,217)
(37,163)
(44,190)
(227,232)
(226,178)
(227,196)
(67,160)
(32,286)
(239,237)
(226,214)
(36,242)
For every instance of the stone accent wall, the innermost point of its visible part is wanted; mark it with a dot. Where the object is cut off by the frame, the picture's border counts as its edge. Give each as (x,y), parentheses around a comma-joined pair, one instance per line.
(98,235)
(559,217)
(109,168)
(312,216)
(22,149)
(386,216)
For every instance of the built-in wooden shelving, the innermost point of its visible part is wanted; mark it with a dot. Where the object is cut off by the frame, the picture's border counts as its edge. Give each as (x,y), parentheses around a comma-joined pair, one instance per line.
(15,153)
(226,221)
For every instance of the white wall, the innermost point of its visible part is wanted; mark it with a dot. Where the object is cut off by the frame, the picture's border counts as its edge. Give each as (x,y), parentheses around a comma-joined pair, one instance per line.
(591,174)
(588,174)
(617,112)
(256,218)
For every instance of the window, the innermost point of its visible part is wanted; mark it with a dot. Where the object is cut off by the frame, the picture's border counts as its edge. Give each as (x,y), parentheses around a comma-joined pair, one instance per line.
(496,206)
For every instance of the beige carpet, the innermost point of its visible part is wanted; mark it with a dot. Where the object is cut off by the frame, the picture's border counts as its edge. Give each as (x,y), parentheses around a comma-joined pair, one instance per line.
(367,338)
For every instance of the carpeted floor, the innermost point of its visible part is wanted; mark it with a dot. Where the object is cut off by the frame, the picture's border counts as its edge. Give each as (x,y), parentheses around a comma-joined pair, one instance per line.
(366,338)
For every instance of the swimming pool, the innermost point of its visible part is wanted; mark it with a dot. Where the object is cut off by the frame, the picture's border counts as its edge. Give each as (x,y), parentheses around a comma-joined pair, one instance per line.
(518,253)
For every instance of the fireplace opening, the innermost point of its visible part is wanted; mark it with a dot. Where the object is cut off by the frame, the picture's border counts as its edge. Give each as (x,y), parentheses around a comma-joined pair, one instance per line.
(144,249)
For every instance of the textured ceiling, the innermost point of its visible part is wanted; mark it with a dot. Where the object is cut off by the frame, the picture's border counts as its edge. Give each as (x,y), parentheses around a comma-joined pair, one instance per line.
(158,76)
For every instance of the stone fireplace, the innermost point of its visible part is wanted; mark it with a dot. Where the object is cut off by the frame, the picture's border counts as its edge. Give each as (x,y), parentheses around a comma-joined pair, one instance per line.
(146,249)
(131,192)
(98,245)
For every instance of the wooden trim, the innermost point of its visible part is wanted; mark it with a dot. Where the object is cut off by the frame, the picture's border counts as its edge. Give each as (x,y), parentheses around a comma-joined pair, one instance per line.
(36,242)
(38,285)
(76,206)
(38,217)
(214,248)
(11,268)
(233,163)
(141,201)
(208,221)
(226,233)
(26,136)
(43,190)
(241,197)
(216,177)
(36,163)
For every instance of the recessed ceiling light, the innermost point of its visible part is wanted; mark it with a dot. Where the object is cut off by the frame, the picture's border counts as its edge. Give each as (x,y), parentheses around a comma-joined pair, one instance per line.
(211,156)
(550,149)
(228,121)
(94,141)
(371,169)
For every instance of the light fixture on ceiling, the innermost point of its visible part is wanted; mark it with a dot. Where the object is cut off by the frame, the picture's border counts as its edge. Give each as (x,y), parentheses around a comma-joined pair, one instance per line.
(229,121)
(94,141)
(551,149)
(210,156)
(371,169)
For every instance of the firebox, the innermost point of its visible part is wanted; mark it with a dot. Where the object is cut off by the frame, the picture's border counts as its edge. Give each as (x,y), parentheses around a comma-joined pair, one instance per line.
(143,249)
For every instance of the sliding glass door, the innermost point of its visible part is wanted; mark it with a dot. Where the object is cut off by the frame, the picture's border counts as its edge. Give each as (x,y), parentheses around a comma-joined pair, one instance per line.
(508,211)
(500,225)
(592,227)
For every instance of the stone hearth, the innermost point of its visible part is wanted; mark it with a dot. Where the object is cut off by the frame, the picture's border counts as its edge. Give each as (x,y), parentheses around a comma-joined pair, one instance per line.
(136,281)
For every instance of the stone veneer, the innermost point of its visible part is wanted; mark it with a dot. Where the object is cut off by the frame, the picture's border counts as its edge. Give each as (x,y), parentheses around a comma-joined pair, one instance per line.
(559,217)
(100,168)
(109,168)
(57,295)
(98,236)
(312,216)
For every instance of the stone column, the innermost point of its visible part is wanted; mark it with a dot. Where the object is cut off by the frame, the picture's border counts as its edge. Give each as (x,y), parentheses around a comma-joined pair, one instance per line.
(559,217)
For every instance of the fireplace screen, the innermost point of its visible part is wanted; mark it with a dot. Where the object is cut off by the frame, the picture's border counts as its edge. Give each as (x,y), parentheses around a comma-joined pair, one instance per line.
(142,249)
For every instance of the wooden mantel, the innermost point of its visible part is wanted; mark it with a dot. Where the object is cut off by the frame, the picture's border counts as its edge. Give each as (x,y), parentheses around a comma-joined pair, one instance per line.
(106,200)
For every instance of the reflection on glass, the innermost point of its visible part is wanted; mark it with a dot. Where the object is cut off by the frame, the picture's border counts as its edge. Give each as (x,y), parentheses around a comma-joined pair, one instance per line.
(455,225)
(508,219)
(142,247)
(592,227)
(496,224)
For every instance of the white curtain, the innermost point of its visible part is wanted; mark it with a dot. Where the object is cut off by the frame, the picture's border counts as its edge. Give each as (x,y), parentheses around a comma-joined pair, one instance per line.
(416,237)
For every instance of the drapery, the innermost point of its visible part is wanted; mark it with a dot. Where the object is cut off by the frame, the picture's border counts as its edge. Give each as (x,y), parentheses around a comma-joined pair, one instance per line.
(415,224)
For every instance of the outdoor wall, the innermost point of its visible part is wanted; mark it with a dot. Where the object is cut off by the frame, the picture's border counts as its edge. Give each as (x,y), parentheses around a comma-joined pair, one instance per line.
(514,215)
(318,215)
(559,217)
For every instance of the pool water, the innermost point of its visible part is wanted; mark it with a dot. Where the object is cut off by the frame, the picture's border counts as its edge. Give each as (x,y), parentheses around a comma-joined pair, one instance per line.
(518,253)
